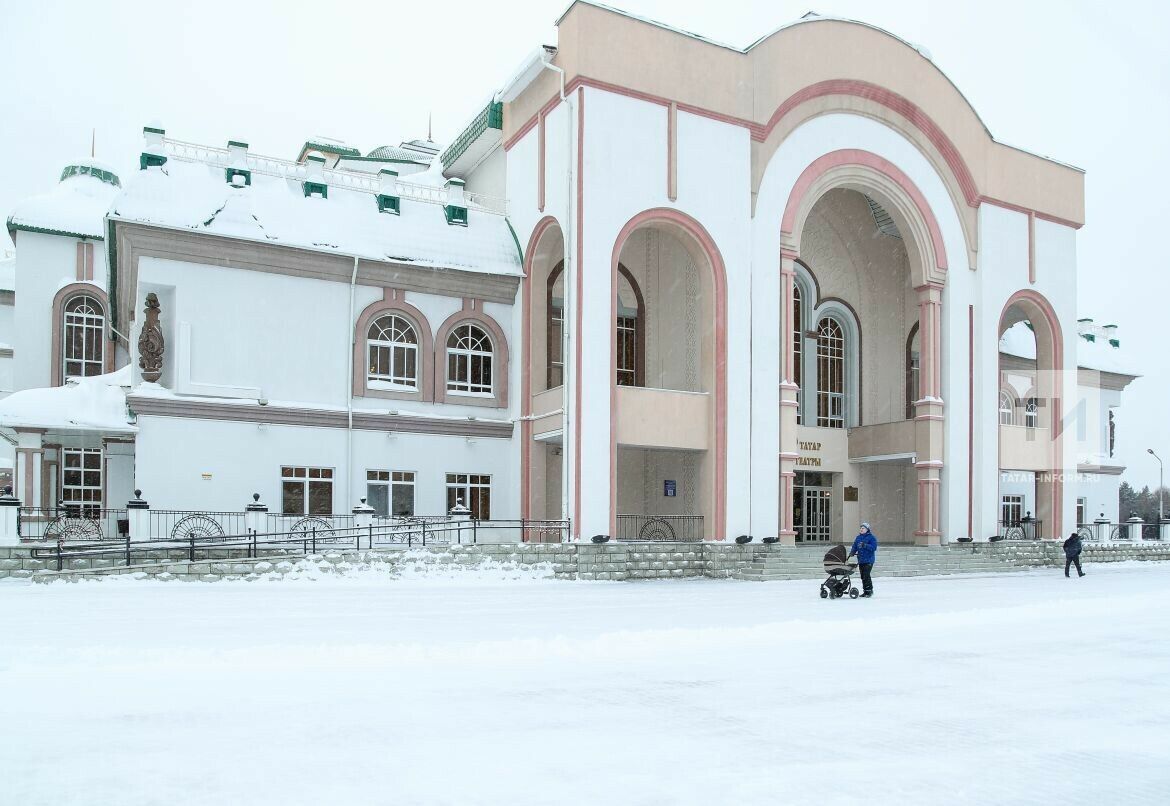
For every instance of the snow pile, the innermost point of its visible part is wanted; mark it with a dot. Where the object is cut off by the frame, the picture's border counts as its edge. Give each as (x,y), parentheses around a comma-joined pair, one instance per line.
(411,565)
(1099,354)
(77,205)
(91,404)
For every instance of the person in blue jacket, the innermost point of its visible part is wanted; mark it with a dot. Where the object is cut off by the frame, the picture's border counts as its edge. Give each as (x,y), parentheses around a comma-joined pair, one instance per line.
(865,547)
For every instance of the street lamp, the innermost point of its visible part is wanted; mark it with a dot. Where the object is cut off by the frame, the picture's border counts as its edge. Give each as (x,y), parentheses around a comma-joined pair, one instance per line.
(1161,484)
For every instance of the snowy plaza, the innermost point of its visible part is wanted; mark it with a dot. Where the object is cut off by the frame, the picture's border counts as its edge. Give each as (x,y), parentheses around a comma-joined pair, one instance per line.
(485,688)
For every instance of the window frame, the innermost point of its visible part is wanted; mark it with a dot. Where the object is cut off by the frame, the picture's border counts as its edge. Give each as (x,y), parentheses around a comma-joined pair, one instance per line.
(61,299)
(393,346)
(471,355)
(312,476)
(463,482)
(74,495)
(830,355)
(393,303)
(392,480)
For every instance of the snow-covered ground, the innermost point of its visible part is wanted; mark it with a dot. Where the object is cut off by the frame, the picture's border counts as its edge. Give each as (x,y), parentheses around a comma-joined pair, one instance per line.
(1020,688)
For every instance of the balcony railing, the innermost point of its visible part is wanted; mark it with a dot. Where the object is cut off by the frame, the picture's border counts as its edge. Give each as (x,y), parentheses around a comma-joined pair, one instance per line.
(72,522)
(1128,531)
(660,528)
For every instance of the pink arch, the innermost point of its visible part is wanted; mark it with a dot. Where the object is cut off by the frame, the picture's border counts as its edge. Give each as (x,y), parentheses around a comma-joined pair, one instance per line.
(659,215)
(1035,298)
(472,313)
(526,428)
(855,156)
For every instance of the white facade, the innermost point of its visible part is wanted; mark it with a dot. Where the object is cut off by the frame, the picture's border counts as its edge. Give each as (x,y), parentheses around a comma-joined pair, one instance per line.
(639,297)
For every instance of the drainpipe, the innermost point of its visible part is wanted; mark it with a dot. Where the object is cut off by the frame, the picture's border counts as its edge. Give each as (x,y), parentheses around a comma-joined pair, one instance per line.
(570,288)
(349,392)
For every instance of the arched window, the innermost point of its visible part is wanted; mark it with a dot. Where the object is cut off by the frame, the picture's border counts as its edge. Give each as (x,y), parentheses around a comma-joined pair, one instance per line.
(798,349)
(556,324)
(630,325)
(1031,413)
(830,374)
(392,346)
(913,370)
(469,361)
(83,353)
(1006,408)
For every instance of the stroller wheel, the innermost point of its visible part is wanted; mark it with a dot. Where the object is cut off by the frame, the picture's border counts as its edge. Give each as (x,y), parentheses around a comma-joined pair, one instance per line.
(853,593)
(824,592)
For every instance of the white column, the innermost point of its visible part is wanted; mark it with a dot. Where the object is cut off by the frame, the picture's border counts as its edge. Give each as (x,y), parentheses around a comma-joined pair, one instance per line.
(9,519)
(138,512)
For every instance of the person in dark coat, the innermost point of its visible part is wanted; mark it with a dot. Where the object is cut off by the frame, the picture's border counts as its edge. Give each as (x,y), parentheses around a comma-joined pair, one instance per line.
(865,547)
(1072,553)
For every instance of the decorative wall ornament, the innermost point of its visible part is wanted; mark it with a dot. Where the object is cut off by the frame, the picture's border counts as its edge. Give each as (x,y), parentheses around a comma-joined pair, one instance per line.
(150,342)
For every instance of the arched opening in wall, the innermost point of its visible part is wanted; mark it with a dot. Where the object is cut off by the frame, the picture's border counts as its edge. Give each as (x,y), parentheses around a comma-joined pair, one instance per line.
(669,384)
(1028,403)
(543,377)
(856,353)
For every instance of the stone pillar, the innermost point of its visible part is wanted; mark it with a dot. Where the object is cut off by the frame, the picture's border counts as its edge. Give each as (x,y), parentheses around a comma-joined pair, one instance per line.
(256,516)
(461,517)
(928,416)
(1164,529)
(9,518)
(138,511)
(789,399)
(363,515)
(30,455)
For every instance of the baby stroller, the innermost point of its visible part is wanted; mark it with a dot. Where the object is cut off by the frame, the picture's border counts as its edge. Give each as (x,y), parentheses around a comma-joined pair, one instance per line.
(839,569)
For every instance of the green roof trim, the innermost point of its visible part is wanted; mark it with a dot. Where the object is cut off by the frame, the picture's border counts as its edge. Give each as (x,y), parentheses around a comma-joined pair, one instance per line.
(1115,342)
(109,177)
(313,145)
(491,117)
(153,130)
(456,215)
(386,159)
(1089,336)
(148,160)
(516,238)
(14,227)
(316,187)
(237,144)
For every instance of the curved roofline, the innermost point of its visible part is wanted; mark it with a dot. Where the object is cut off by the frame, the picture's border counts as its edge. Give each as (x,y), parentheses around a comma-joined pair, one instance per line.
(811,17)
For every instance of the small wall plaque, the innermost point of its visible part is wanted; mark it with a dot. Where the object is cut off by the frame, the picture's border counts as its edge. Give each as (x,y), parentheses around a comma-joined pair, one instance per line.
(669,488)
(850,493)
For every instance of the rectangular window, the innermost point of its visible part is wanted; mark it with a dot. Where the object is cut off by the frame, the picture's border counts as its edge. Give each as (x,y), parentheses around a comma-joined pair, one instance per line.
(472,490)
(1011,509)
(556,362)
(81,480)
(627,339)
(306,490)
(391,492)
(1082,511)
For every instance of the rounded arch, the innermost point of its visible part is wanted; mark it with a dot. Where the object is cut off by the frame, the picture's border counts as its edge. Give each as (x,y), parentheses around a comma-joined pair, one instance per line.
(866,172)
(841,312)
(394,302)
(1029,304)
(472,314)
(696,236)
(63,297)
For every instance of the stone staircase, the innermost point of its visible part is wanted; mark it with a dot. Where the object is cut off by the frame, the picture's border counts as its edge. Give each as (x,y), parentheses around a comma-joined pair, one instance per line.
(805,562)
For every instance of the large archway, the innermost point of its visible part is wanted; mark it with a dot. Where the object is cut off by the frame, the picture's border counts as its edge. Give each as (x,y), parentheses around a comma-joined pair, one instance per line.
(1029,399)
(676,265)
(897,453)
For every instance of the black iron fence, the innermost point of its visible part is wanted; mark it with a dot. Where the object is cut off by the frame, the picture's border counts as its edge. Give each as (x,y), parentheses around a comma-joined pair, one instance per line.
(1127,531)
(1029,529)
(72,522)
(383,532)
(663,528)
(181,524)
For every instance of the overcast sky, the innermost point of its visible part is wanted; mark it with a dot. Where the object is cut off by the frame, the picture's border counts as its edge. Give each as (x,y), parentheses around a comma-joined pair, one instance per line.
(1078,81)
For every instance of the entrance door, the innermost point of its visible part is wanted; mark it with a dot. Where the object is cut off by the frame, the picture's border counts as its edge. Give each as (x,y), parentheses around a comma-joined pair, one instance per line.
(817,511)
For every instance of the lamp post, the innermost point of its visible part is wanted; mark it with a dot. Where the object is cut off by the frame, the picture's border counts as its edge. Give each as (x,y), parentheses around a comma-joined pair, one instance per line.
(1161,484)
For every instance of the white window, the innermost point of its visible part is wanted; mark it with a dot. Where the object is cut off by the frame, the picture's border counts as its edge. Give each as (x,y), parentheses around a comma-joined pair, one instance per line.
(473,491)
(1031,413)
(1006,408)
(81,479)
(393,351)
(306,490)
(830,374)
(798,351)
(391,492)
(1082,511)
(83,351)
(1011,509)
(469,361)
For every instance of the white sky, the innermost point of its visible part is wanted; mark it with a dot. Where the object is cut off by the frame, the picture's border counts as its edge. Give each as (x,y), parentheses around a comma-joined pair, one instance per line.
(1082,82)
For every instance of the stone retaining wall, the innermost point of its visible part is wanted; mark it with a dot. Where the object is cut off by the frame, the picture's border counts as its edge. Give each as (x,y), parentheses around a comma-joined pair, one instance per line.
(609,561)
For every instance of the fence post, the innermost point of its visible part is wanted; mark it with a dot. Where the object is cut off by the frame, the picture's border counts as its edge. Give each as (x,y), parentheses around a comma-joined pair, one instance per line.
(138,513)
(127,549)
(9,518)
(252,548)
(255,514)
(191,552)
(60,545)
(460,515)
(363,518)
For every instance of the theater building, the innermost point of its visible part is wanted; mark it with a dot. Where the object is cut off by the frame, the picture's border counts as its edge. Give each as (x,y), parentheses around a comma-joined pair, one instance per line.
(657,283)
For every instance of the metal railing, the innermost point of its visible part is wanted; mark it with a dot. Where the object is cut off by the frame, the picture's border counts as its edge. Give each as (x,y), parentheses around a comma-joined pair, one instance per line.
(180,524)
(660,528)
(407,532)
(1127,531)
(1023,529)
(72,522)
(335,177)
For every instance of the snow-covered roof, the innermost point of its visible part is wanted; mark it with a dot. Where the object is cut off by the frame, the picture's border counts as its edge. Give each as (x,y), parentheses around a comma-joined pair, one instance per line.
(396,153)
(75,207)
(191,192)
(83,404)
(1097,348)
